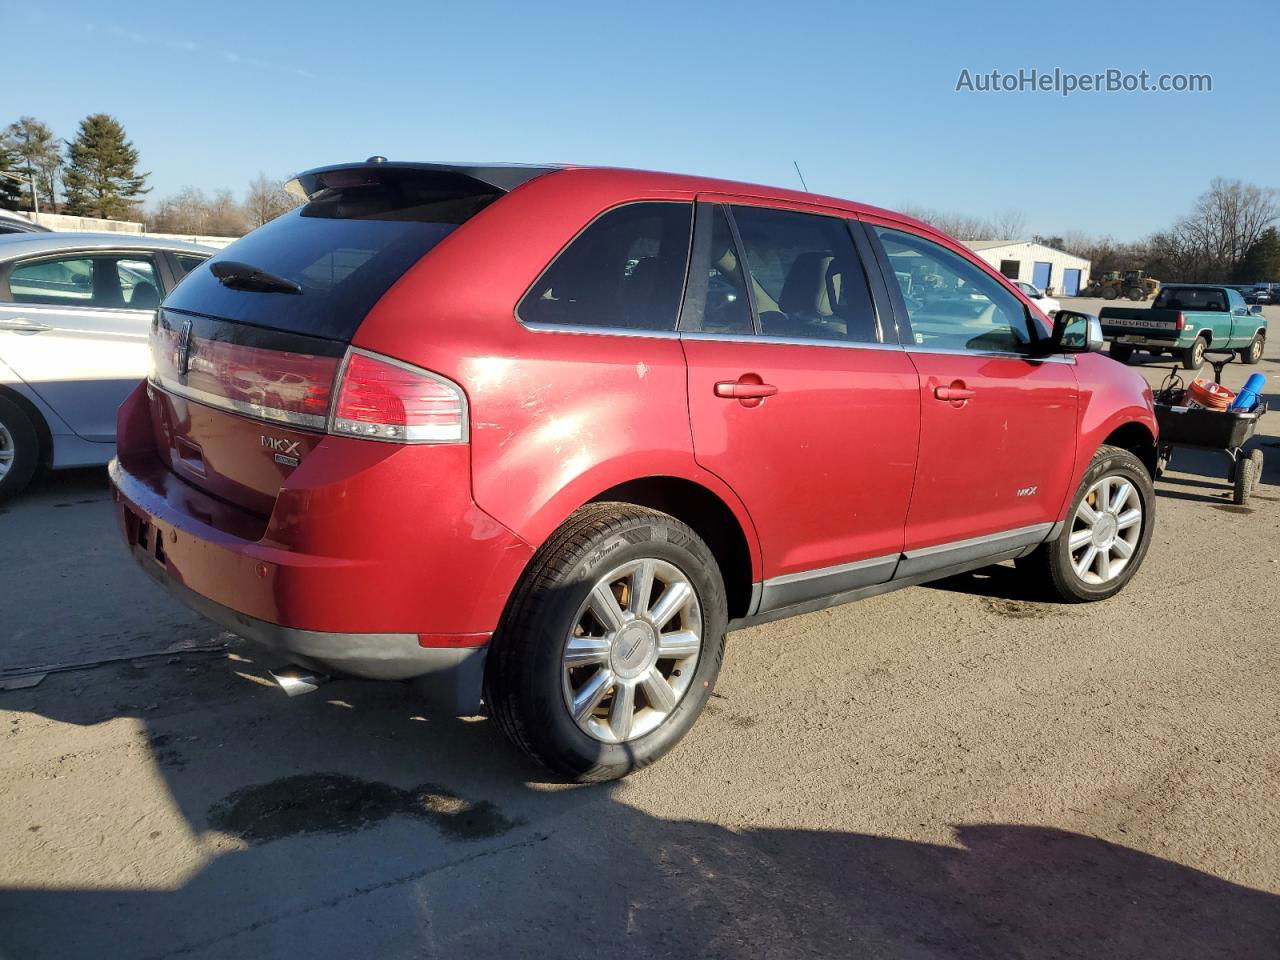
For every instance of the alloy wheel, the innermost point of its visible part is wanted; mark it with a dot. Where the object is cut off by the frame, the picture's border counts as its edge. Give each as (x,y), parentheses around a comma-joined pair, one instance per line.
(1105,530)
(631,654)
(6,450)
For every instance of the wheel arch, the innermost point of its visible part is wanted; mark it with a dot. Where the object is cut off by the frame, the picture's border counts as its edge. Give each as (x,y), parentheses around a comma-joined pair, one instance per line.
(1138,440)
(709,516)
(43,433)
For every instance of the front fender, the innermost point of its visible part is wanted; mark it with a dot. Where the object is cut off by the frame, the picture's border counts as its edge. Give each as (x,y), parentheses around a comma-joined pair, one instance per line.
(1111,397)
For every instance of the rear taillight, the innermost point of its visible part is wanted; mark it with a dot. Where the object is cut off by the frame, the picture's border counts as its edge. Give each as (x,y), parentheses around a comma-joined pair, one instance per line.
(387,400)
(360,395)
(1182,322)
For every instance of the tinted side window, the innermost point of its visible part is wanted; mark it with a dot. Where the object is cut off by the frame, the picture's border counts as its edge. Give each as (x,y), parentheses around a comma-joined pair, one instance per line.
(952,303)
(625,270)
(87,281)
(188,261)
(806,275)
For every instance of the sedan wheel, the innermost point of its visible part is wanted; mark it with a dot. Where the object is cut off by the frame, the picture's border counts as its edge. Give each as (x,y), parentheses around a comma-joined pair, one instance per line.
(633,651)
(7,451)
(1106,530)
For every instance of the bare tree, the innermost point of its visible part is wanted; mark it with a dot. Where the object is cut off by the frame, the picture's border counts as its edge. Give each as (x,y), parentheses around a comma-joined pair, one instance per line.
(1225,222)
(266,200)
(191,211)
(1009,225)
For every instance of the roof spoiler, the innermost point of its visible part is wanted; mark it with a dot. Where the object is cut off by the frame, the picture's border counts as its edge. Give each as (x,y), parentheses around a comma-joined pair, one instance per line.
(502,177)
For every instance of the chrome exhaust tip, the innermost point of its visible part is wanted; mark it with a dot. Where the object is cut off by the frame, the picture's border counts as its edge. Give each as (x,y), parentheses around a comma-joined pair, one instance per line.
(295,681)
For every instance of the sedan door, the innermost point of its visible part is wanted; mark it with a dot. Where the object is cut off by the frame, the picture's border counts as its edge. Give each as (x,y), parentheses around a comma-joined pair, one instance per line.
(800,399)
(998,424)
(74,327)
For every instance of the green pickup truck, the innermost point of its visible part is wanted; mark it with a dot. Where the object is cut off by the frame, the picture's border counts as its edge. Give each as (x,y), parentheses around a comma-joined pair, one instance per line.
(1185,320)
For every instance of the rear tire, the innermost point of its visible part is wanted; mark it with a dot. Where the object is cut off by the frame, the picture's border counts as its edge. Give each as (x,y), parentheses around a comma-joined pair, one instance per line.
(1193,356)
(1109,293)
(19,449)
(533,678)
(1135,293)
(1253,352)
(1121,353)
(1072,574)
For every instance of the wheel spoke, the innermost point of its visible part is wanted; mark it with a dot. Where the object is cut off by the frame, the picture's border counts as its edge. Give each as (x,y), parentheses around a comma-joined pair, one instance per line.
(605,606)
(582,651)
(1121,496)
(641,588)
(1085,565)
(1079,539)
(1123,548)
(1087,513)
(622,710)
(678,646)
(658,690)
(1104,564)
(592,692)
(671,602)
(1128,519)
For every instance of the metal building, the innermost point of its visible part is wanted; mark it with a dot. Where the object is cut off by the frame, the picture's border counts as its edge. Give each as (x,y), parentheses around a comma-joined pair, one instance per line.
(1052,270)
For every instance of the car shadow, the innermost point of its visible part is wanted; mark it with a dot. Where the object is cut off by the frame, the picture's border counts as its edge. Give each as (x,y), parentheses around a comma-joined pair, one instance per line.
(437,840)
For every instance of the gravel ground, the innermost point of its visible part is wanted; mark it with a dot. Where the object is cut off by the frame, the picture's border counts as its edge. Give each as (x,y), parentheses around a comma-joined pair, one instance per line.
(946,771)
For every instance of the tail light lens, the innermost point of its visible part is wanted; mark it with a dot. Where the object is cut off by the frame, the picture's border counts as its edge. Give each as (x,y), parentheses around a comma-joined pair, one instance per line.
(387,400)
(1182,322)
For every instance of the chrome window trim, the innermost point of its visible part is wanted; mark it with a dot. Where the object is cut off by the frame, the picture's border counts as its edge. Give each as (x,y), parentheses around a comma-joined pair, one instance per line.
(578,328)
(790,341)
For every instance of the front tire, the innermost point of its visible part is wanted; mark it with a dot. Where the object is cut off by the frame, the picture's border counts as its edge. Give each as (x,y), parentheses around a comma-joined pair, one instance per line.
(611,645)
(1105,540)
(19,449)
(1252,354)
(1193,356)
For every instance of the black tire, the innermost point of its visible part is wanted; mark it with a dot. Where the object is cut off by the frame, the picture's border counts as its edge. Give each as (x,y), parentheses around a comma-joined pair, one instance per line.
(1258,464)
(20,440)
(1121,353)
(1253,352)
(1193,356)
(1050,569)
(1135,293)
(1246,477)
(525,672)
(1109,293)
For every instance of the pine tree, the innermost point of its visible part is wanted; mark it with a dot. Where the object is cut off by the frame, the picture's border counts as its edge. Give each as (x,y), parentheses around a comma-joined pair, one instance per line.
(1262,261)
(41,157)
(10,190)
(102,178)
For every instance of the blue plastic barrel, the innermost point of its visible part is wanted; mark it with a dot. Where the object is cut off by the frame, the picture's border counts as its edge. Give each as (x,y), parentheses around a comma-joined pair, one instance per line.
(1247,398)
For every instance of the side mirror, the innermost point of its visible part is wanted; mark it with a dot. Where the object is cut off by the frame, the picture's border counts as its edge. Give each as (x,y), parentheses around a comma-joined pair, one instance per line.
(1075,332)
(1256,308)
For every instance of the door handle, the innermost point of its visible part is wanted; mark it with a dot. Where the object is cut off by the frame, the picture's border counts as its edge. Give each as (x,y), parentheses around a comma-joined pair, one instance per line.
(955,394)
(749,390)
(23,325)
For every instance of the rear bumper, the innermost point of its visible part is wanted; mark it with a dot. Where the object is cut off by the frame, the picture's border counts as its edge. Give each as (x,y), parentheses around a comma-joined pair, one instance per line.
(450,678)
(1147,339)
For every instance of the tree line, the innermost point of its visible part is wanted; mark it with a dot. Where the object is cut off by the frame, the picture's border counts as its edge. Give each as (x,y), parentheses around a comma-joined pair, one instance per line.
(1228,236)
(96,175)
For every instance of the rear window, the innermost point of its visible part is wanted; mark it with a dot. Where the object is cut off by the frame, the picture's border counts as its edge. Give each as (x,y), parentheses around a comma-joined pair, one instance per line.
(345,248)
(1191,298)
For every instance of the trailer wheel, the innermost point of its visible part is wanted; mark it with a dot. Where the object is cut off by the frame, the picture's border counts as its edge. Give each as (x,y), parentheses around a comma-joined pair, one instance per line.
(1246,474)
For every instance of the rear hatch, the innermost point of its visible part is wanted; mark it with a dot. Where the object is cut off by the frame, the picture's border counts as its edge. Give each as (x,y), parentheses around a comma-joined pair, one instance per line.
(251,359)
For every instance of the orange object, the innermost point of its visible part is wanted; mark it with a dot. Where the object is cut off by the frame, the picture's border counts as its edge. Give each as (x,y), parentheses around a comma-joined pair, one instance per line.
(1210,396)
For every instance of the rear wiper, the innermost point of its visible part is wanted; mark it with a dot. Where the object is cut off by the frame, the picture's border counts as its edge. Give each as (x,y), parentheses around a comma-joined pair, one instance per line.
(242,276)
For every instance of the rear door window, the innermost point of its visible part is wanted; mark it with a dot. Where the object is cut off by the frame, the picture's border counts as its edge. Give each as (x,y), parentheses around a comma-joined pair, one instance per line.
(114,281)
(624,271)
(806,276)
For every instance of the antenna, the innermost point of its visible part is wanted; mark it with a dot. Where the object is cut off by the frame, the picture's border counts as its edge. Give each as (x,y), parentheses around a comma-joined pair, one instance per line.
(796,164)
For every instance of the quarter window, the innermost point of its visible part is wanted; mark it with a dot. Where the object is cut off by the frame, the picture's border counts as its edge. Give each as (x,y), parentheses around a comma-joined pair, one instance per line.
(953,304)
(806,276)
(115,281)
(626,270)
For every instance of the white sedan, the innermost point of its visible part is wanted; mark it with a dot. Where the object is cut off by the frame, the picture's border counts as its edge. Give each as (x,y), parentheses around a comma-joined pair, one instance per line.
(1046,303)
(75,313)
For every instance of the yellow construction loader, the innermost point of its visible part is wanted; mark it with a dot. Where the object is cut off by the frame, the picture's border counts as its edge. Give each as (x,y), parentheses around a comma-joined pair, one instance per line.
(1134,284)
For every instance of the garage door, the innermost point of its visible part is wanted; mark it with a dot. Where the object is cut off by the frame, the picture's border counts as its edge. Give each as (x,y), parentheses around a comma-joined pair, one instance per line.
(1070,282)
(1041,274)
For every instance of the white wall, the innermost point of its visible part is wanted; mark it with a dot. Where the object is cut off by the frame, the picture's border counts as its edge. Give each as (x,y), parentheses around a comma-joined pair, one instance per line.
(1028,253)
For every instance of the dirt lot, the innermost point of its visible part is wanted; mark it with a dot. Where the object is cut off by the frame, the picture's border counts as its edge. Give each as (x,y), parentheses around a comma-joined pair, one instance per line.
(947,771)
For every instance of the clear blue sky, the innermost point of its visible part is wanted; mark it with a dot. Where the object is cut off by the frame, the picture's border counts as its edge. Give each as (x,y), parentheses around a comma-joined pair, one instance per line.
(862,95)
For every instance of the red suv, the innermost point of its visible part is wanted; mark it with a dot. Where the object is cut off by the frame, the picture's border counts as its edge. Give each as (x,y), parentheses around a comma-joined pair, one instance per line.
(534,438)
